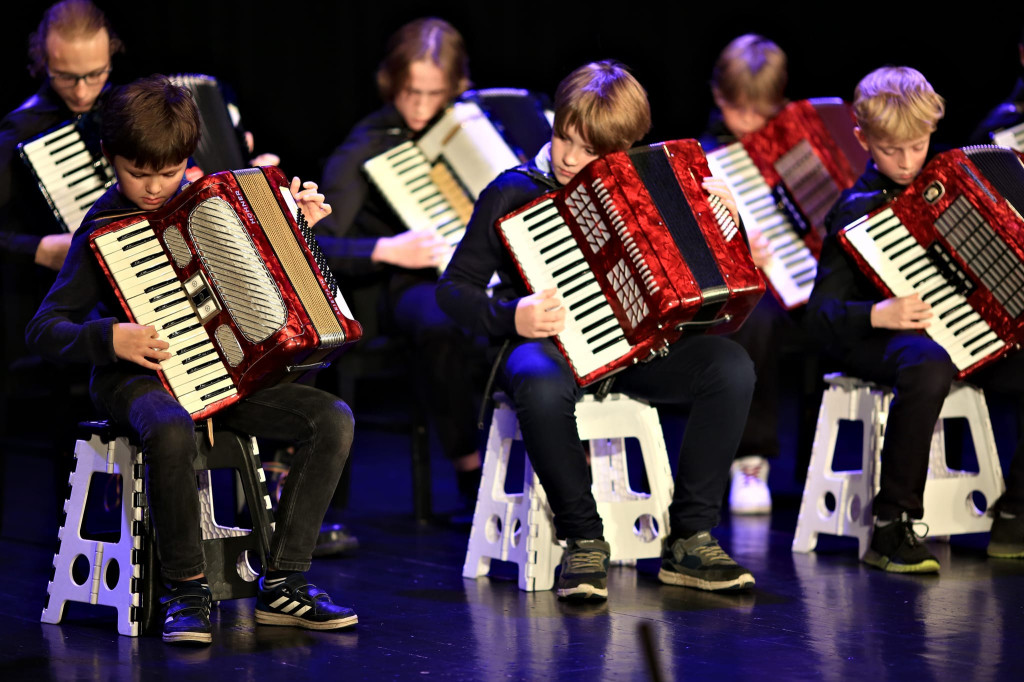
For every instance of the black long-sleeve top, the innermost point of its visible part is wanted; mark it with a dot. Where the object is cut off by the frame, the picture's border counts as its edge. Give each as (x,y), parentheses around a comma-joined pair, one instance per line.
(75,322)
(360,214)
(839,310)
(24,216)
(462,290)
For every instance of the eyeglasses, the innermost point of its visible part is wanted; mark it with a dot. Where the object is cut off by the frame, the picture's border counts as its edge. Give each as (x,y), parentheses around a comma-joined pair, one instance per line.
(70,80)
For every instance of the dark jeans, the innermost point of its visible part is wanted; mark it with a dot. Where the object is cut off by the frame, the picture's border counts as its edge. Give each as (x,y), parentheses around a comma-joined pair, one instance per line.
(448,366)
(768,327)
(317,423)
(712,374)
(920,372)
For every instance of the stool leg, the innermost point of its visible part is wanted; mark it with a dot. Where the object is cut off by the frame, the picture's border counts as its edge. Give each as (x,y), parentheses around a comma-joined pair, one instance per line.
(96,456)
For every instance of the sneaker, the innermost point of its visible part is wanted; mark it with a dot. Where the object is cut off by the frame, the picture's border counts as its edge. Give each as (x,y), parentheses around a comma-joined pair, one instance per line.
(584,570)
(187,616)
(334,540)
(699,561)
(749,492)
(897,548)
(296,602)
(1007,538)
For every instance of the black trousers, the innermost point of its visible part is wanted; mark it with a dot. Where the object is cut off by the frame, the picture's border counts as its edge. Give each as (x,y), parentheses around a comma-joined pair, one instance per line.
(920,372)
(711,374)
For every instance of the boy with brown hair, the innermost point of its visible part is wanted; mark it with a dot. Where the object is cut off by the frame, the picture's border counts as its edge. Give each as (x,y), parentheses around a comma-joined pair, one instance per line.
(425,68)
(748,83)
(600,108)
(150,129)
(897,110)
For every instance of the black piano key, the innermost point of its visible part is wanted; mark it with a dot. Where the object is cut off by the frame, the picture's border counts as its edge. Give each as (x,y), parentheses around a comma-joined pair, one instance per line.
(198,368)
(583,301)
(186,330)
(598,324)
(609,344)
(571,278)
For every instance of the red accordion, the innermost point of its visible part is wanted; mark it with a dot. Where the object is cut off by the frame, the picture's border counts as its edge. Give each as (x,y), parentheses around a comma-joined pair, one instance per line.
(954,236)
(638,252)
(785,178)
(230,275)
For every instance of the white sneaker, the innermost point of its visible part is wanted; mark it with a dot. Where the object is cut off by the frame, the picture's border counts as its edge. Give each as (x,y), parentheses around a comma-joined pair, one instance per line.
(749,493)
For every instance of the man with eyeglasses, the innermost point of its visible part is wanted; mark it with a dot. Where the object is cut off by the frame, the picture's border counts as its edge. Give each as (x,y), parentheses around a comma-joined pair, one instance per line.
(72,51)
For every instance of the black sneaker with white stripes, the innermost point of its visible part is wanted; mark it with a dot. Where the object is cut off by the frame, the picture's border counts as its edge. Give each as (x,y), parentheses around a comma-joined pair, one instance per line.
(297,603)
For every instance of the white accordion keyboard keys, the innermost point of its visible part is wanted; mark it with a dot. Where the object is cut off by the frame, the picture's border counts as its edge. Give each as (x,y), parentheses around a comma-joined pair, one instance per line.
(155,296)
(904,267)
(550,257)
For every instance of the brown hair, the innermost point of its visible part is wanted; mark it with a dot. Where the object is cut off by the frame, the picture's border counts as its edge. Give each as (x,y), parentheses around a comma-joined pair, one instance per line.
(151,122)
(898,103)
(605,104)
(71,19)
(751,70)
(428,39)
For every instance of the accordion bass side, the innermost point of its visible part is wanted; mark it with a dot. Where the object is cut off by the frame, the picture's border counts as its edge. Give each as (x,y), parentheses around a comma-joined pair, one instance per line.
(638,252)
(954,236)
(220,146)
(230,275)
(785,178)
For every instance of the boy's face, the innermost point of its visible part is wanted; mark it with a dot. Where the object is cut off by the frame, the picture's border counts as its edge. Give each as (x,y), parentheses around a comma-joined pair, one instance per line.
(75,59)
(148,188)
(745,117)
(570,152)
(424,94)
(900,161)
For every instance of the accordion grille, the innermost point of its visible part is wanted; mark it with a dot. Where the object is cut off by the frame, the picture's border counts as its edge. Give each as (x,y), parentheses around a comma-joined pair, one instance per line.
(242,280)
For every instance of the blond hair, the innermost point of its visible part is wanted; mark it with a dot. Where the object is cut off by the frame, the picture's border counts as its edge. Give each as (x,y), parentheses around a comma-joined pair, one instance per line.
(71,19)
(605,104)
(427,39)
(751,70)
(897,103)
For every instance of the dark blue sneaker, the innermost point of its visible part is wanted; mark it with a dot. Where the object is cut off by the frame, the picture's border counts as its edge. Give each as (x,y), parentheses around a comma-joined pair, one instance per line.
(187,617)
(699,562)
(297,603)
(584,572)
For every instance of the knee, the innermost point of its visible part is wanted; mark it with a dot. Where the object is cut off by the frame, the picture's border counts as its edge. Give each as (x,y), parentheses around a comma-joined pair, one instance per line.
(337,424)
(728,368)
(929,379)
(170,438)
(544,394)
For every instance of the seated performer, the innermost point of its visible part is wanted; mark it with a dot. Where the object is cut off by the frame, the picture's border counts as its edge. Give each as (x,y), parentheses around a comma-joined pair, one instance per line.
(599,108)
(880,339)
(150,129)
(748,84)
(424,69)
(72,50)
(1009,113)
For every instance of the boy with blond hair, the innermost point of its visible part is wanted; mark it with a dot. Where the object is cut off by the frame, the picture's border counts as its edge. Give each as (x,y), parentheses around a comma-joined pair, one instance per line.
(600,108)
(150,129)
(878,339)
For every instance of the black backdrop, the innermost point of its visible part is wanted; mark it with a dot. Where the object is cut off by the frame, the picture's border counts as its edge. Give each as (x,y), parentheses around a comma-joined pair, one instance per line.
(304,72)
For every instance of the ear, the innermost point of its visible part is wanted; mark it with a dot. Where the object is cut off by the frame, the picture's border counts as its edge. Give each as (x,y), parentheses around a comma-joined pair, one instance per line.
(861,137)
(719,100)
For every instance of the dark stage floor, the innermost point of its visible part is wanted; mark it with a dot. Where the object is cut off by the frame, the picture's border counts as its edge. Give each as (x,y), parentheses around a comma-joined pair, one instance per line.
(821,616)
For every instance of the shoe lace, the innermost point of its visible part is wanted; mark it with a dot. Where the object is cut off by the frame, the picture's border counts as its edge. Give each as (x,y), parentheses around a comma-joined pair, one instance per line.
(910,534)
(583,561)
(712,553)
